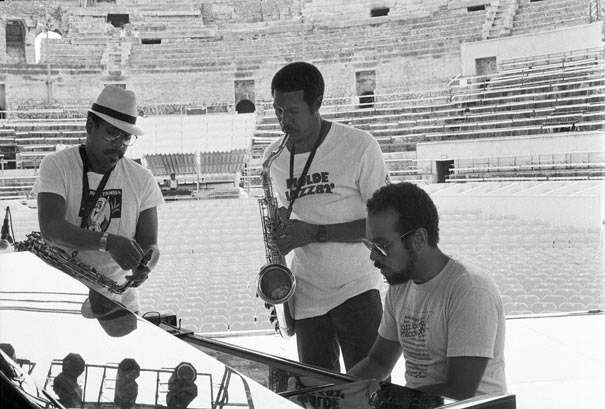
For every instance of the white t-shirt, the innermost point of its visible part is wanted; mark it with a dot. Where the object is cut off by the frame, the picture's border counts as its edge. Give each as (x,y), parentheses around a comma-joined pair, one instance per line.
(457,313)
(347,169)
(130,189)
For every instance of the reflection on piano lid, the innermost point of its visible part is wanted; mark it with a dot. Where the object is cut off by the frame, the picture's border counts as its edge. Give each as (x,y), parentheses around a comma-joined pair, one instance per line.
(61,344)
(84,360)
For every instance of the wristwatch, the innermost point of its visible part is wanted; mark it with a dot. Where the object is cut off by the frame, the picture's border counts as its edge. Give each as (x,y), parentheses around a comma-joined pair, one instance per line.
(103,242)
(322,234)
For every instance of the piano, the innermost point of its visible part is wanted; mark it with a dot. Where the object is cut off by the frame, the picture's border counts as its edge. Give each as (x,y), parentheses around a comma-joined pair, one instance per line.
(56,353)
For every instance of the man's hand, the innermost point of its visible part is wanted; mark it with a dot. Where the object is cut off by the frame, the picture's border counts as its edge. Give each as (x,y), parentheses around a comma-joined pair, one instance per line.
(127,253)
(295,234)
(141,272)
(138,277)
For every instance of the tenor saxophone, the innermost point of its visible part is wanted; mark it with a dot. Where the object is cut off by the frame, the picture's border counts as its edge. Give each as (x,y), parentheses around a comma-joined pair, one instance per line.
(59,259)
(276,283)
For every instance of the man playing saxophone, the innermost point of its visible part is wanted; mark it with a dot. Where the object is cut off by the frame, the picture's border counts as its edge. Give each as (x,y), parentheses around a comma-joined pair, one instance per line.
(322,181)
(99,206)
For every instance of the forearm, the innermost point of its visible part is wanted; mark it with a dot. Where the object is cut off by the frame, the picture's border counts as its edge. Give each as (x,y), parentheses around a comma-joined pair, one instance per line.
(349,232)
(63,233)
(447,390)
(370,369)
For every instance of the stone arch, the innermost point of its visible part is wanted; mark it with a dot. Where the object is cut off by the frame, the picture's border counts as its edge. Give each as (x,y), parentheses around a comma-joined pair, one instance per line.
(38,42)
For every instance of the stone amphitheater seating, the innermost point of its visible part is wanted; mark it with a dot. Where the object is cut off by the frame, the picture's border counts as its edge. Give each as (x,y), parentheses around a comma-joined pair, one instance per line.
(440,33)
(538,16)
(539,95)
(36,138)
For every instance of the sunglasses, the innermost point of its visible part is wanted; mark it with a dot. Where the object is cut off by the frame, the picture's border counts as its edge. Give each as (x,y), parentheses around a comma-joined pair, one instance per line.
(382,248)
(113,134)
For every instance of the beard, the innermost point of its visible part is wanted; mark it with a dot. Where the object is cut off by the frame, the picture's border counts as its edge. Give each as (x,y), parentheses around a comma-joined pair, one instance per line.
(117,153)
(405,273)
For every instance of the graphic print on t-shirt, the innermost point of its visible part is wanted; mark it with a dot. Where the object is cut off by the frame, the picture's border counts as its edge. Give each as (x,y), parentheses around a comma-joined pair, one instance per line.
(107,207)
(413,336)
(314,184)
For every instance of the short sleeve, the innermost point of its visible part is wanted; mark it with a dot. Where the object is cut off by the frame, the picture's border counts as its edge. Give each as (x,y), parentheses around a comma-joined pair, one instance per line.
(152,194)
(473,323)
(388,323)
(373,171)
(51,178)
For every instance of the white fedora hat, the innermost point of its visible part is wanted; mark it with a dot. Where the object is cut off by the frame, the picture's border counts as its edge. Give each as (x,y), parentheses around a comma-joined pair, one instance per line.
(118,107)
(114,319)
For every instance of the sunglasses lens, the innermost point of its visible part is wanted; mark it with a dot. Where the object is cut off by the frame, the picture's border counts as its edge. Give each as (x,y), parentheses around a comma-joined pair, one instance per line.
(374,247)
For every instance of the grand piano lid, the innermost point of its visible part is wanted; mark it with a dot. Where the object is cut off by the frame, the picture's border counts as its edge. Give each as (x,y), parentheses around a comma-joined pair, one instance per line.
(47,330)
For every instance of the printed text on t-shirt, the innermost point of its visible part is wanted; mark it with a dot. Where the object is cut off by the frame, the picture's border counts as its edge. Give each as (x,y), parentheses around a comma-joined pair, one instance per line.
(315,183)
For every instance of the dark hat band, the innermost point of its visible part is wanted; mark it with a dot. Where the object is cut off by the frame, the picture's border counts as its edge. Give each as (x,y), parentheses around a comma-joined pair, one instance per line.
(114,114)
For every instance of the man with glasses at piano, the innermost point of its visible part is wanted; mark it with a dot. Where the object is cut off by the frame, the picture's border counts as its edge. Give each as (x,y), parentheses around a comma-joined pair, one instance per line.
(76,183)
(445,316)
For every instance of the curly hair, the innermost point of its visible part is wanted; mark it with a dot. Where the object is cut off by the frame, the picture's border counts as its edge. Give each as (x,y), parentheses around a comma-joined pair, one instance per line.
(413,205)
(298,76)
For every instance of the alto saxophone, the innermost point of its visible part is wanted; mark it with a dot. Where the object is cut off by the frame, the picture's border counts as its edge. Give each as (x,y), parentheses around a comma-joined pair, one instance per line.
(59,259)
(276,283)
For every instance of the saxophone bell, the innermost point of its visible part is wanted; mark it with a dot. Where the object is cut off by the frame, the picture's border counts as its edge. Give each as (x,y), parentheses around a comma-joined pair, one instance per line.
(276,284)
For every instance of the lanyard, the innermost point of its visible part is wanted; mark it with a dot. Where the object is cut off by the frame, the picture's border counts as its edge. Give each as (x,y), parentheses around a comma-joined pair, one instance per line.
(86,204)
(303,175)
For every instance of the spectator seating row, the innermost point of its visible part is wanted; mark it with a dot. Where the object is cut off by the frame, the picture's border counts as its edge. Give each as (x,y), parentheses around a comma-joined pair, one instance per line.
(576,165)
(538,95)
(539,16)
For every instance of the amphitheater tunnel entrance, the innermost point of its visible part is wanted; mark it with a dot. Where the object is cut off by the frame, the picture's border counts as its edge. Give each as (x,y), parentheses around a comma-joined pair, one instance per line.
(15,41)
(244,95)
(444,168)
(245,106)
(118,20)
(366,85)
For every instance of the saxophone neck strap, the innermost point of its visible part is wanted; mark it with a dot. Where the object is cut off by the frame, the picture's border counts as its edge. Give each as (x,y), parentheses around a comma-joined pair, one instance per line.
(300,181)
(87,203)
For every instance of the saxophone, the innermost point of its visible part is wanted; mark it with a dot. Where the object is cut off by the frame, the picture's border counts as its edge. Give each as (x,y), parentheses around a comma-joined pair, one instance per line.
(276,283)
(59,259)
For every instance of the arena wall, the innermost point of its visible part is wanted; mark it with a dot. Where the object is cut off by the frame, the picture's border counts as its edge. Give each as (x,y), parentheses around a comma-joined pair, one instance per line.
(429,152)
(580,210)
(527,45)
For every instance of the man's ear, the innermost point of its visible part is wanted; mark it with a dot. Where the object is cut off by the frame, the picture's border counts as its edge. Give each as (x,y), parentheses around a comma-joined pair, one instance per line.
(421,238)
(317,103)
(89,125)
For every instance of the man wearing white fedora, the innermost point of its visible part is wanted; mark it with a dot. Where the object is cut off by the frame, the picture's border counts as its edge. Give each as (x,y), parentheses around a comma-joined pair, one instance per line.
(99,206)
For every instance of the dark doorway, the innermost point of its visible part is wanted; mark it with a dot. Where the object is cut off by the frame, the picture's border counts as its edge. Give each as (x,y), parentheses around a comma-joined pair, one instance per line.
(365,86)
(118,20)
(245,106)
(15,41)
(366,100)
(2,101)
(379,11)
(444,167)
(244,95)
